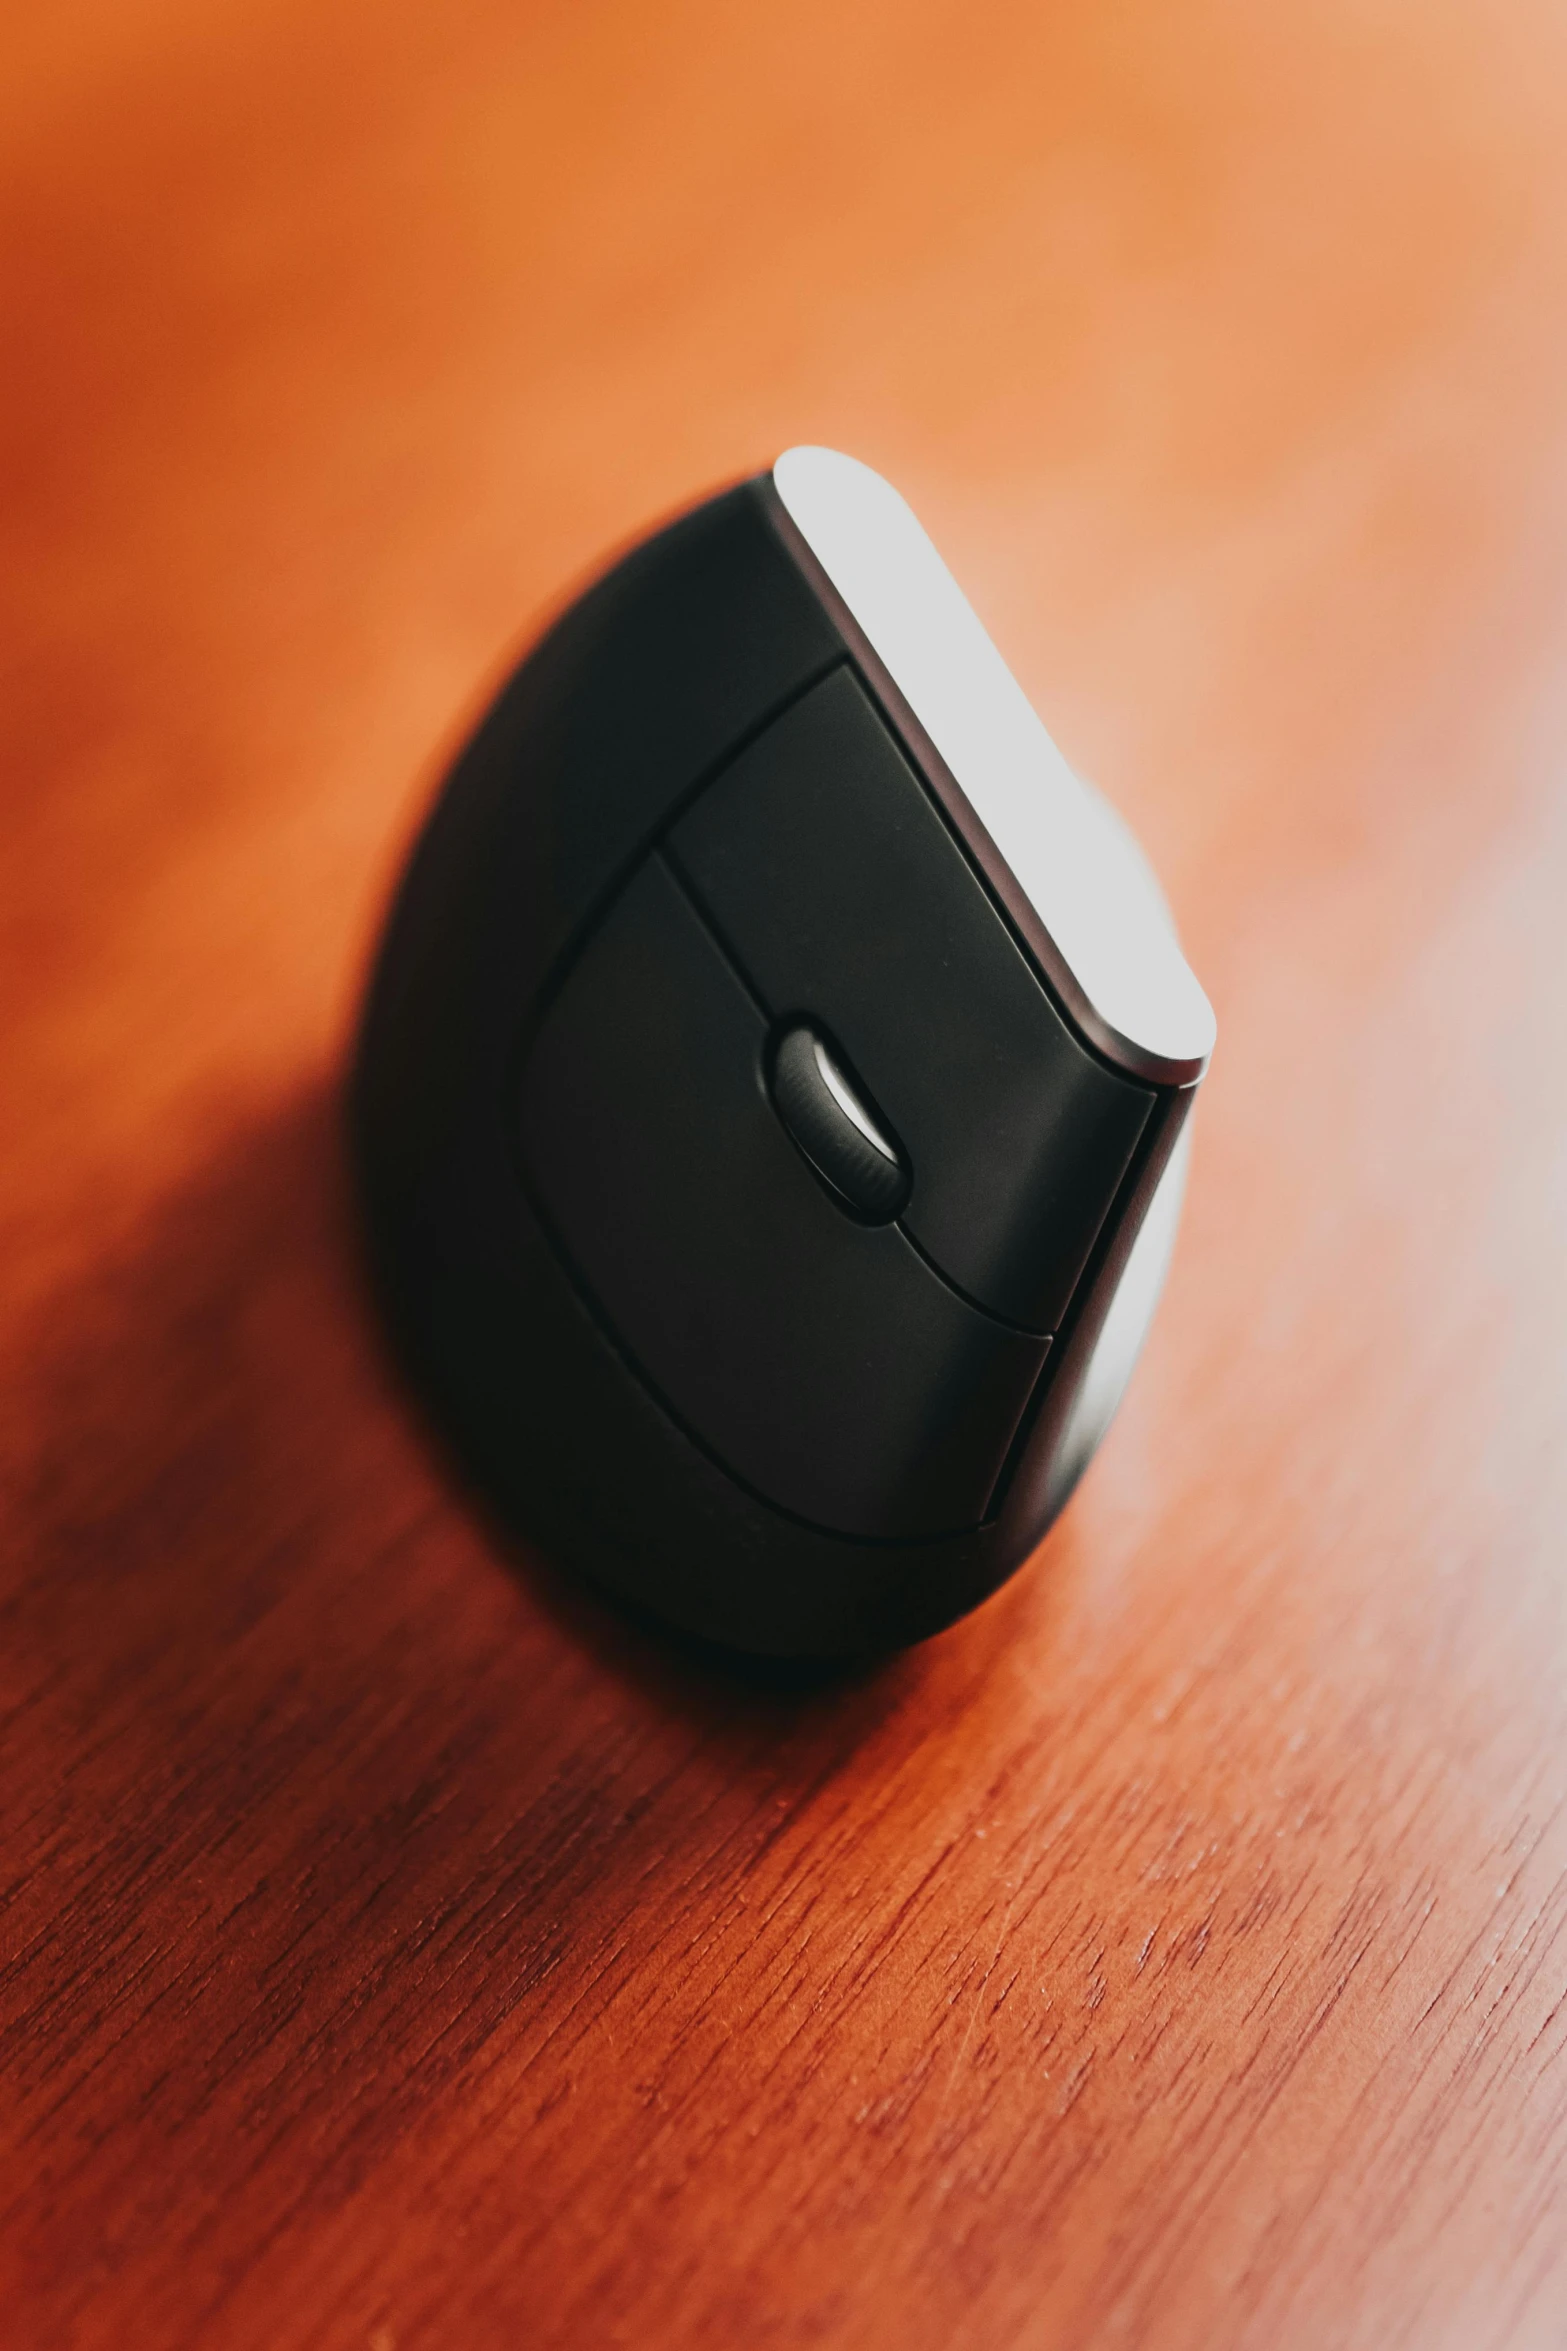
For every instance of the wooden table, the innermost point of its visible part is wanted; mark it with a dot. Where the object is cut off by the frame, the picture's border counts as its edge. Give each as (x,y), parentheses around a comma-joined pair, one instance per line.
(398,1948)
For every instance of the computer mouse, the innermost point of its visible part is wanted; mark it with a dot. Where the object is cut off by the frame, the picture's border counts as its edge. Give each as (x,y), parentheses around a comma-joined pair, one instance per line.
(771,1098)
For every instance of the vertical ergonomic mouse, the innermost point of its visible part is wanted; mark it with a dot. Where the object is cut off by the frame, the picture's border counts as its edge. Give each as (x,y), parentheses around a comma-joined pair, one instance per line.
(770,1098)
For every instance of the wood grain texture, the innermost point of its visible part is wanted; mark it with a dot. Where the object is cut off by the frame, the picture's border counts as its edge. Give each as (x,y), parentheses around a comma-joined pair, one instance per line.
(399,1950)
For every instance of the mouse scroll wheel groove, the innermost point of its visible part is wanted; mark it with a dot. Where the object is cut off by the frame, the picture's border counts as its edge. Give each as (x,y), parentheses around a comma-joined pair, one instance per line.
(832,1123)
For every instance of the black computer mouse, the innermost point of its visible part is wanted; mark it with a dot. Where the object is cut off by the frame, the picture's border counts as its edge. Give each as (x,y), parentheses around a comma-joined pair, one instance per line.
(770,1101)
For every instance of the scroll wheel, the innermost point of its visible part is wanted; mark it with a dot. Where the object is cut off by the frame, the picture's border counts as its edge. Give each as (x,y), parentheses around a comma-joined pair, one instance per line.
(831,1122)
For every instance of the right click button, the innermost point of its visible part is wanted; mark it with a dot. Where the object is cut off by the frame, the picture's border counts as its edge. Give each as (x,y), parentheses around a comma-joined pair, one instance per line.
(825,866)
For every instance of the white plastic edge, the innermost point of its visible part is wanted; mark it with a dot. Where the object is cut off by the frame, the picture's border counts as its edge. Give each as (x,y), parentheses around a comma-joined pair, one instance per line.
(1074,858)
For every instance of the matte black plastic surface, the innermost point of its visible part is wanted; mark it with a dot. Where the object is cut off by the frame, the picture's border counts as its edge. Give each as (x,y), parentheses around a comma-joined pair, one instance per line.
(842,894)
(639,689)
(648,687)
(819,1358)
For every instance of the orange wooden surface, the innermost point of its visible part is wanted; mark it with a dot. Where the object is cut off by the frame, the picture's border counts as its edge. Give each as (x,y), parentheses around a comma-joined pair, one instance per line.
(398,1950)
